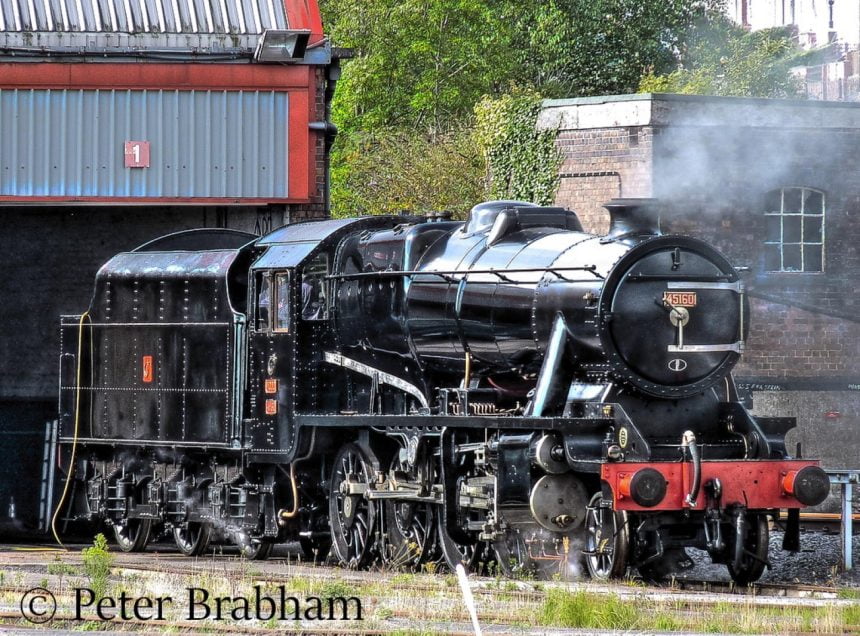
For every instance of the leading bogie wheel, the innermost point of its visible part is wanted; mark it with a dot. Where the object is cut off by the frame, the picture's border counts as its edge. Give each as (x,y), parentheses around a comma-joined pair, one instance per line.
(754,556)
(192,538)
(352,516)
(132,535)
(607,540)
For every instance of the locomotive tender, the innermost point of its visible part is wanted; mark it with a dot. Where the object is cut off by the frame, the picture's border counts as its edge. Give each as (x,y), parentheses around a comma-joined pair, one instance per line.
(401,388)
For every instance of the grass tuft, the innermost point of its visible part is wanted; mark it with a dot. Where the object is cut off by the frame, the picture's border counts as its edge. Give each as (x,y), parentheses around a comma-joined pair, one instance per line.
(587,610)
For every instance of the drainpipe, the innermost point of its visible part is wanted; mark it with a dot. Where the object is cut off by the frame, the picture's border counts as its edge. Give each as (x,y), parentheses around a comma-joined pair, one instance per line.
(327,128)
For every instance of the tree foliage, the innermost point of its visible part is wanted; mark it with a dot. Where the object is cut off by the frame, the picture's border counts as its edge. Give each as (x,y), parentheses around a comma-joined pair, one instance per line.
(724,59)
(391,171)
(419,63)
(602,47)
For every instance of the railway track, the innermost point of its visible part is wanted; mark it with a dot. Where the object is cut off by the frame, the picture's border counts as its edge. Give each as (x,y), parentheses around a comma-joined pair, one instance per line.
(287,571)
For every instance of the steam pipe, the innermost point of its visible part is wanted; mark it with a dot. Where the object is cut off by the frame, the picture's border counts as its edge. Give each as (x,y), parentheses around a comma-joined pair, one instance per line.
(549,369)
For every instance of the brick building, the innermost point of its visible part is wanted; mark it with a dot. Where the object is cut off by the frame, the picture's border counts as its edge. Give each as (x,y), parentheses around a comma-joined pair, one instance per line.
(121,122)
(776,186)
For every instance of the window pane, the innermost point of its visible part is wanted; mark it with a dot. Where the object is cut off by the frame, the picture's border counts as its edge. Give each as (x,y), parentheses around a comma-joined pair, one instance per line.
(282,294)
(791,260)
(314,287)
(773,201)
(791,229)
(264,302)
(812,229)
(771,258)
(773,224)
(814,203)
(791,200)
(812,258)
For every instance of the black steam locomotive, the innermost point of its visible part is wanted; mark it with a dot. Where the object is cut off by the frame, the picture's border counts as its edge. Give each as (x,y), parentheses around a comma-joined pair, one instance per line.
(402,388)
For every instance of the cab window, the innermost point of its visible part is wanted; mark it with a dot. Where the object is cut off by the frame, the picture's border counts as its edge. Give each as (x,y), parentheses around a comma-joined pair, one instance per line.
(314,286)
(264,302)
(282,301)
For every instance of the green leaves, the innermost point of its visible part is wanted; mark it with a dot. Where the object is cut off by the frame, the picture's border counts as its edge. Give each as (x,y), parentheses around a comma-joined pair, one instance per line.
(522,161)
(724,59)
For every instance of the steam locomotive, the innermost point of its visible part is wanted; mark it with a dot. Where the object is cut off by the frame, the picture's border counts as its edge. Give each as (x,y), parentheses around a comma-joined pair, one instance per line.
(411,388)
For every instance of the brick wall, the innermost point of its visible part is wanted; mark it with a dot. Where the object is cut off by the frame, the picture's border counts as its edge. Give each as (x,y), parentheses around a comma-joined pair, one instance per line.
(315,209)
(602,164)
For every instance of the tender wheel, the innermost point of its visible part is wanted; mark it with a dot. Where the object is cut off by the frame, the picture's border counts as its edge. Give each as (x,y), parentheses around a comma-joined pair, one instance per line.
(352,517)
(409,527)
(255,550)
(192,539)
(607,540)
(132,535)
(754,557)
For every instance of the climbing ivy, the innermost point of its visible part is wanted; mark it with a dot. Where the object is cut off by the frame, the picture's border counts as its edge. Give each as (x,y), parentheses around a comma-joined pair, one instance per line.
(522,161)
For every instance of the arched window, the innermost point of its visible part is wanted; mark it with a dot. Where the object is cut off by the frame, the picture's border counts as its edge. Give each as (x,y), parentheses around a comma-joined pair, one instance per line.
(795,230)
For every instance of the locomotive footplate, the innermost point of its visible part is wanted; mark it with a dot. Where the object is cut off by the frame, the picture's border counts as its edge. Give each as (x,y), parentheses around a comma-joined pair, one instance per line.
(754,484)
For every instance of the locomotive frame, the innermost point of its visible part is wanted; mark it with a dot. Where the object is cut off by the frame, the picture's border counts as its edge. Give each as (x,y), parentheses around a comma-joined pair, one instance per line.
(413,388)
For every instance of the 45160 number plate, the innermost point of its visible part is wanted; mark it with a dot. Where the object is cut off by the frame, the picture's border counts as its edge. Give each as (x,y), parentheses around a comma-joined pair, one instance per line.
(679,298)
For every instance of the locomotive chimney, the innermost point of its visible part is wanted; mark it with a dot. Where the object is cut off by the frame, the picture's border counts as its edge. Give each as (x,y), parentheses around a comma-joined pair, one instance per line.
(630,218)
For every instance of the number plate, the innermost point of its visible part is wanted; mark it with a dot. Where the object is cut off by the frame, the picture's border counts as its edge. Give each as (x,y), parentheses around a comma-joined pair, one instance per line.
(680,299)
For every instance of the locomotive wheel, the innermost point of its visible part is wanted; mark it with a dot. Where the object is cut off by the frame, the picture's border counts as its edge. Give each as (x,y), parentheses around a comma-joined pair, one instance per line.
(352,517)
(192,539)
(256,550)
(607,540)
(409,528)
(756,543)
(132,535)
(474,557)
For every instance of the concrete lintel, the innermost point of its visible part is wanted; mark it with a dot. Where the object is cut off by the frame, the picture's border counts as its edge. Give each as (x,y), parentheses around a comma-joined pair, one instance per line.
(664,109)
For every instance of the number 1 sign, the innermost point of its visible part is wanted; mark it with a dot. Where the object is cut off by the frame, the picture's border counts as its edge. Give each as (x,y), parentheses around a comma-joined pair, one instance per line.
(136,154)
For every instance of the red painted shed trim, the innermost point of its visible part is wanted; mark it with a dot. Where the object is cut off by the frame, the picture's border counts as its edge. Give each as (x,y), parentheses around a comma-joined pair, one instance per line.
(141,76)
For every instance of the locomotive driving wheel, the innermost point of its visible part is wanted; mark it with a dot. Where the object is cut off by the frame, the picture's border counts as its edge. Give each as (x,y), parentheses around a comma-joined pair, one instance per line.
(607,540)
(351,515)
(409,526)
(474,557)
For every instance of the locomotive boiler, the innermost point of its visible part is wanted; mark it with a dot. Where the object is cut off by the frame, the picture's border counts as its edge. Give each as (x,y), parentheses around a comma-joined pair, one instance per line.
(508,388)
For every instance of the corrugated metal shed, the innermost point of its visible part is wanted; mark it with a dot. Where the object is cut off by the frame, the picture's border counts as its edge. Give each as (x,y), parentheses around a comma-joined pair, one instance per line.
(80,26)
(69,143)
(143,16)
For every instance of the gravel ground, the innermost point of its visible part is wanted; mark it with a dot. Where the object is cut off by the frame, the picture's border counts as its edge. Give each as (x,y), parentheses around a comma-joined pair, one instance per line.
(818,562)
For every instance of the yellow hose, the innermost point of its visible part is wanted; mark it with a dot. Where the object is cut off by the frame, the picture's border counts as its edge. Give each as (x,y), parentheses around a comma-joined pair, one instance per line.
(289,514)
(59,507)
